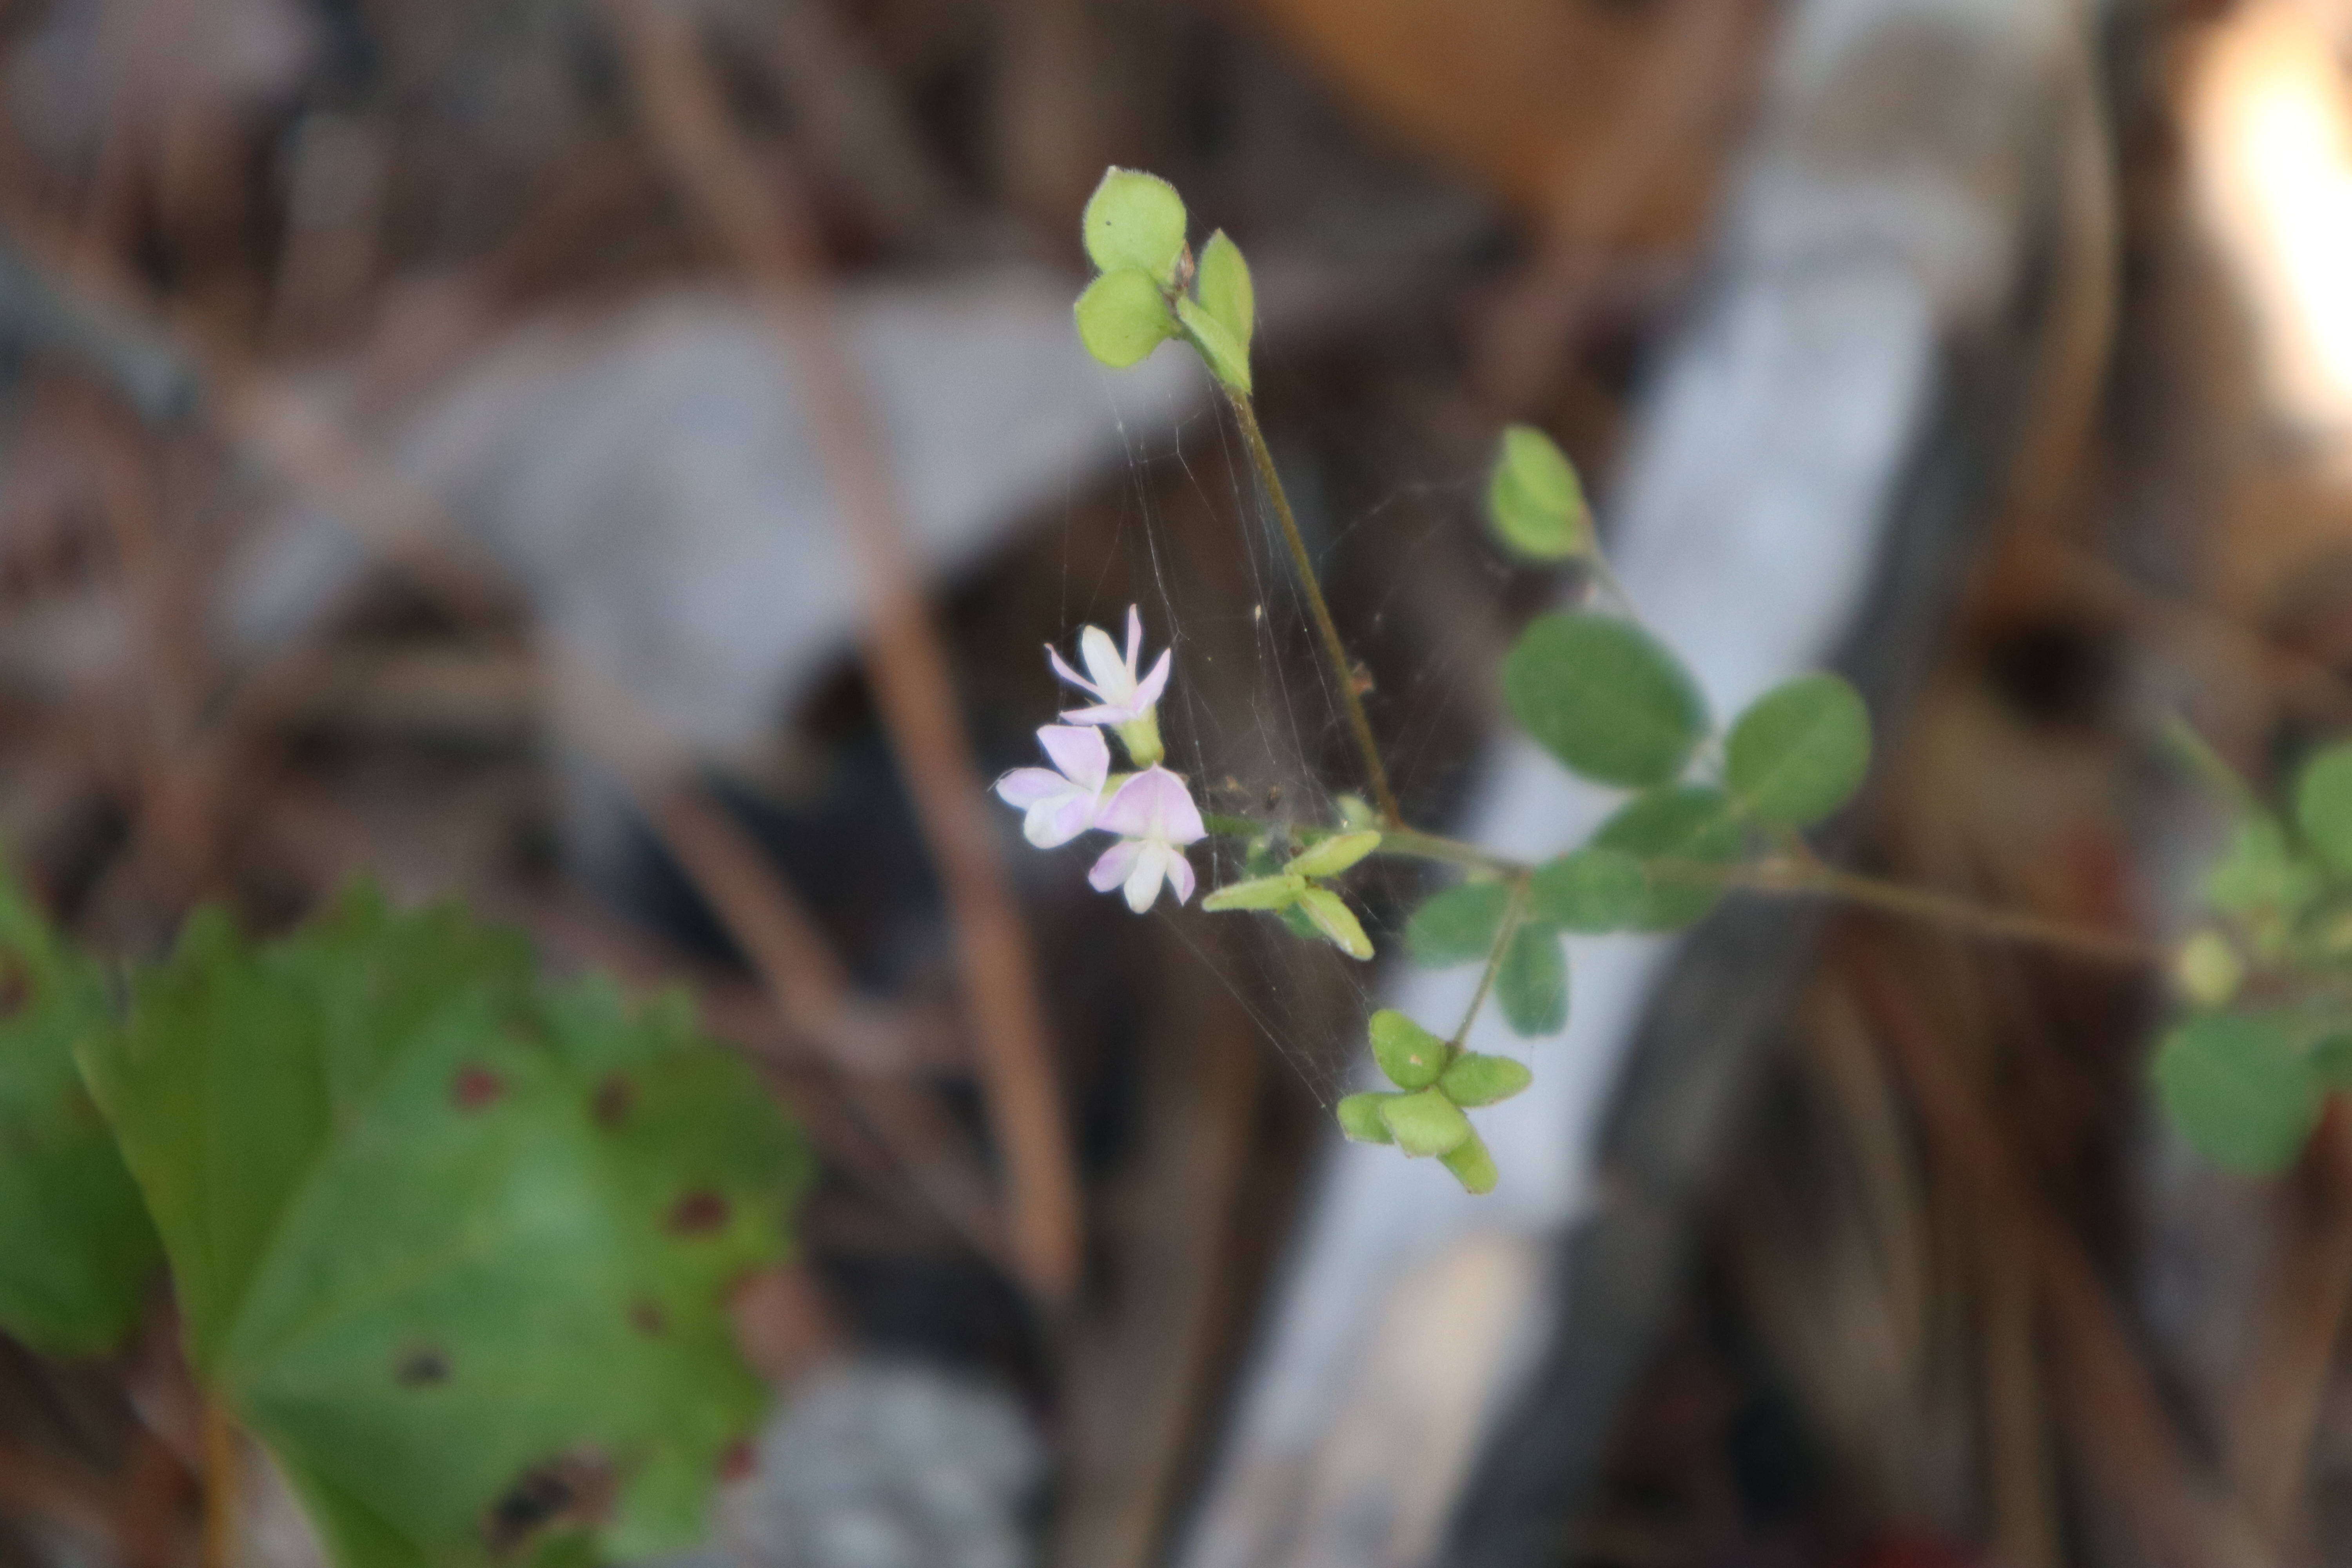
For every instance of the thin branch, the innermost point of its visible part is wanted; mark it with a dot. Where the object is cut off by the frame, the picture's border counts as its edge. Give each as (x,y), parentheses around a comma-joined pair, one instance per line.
(1335,652)
(764,219)
(1507,928)
(1780,875)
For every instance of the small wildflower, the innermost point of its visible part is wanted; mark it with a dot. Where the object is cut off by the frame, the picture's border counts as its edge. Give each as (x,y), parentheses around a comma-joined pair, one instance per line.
(1124,699)
(1060,805)
(1154,816)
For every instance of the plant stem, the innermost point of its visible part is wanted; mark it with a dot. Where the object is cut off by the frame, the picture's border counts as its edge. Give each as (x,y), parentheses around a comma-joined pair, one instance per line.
(221,1486)
(1940,908)
(1335,652)
(1504,932)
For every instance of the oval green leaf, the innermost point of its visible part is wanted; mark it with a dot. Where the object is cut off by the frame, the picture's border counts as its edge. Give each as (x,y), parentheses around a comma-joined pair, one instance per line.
(1590,891)
(1227,359)
(1122,316)
(1409,1055)
(1682,826)
(1334,855)
(1534,502)
(1137,220)
(1276,892)
(1335,921)
(1605,698)
(1361,1119)
(1532,983)
(2323,805)
(1799,751)
(1226,290)
(1472,1165)
(1474,1080)
(2240,1091)
(1424,1123)
(1457,925)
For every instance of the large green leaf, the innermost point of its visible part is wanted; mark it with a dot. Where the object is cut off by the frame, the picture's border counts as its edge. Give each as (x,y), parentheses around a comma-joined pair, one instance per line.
(2240,1090)
(1674,833)
(1799,751)
(1604,697)
(75,1248)
(1458,924)
(1589,890)
(439,1235)
(2323,805)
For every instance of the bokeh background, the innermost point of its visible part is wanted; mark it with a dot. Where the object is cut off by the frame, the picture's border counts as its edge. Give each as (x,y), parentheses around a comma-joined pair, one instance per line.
(617,461)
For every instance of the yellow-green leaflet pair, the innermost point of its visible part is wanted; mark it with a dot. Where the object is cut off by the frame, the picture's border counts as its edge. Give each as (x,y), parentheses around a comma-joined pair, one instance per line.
(1150,288)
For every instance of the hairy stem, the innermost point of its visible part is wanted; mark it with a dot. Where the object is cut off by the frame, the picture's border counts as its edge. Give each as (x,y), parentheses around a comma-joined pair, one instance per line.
(1783,876)
(1504,932)
(1335,652)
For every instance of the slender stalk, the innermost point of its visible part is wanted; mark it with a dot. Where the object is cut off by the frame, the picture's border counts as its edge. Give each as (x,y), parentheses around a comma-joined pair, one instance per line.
(221,1487)
(1940,908)
(1335,652)
(1504,932)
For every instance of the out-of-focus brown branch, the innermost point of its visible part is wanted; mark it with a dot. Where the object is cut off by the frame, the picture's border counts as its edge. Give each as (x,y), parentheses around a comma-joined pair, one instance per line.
(2181,1514)
(762,218)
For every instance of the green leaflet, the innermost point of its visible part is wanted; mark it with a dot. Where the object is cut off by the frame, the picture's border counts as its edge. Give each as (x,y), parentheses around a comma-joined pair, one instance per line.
(2240,1088)
(1137,220)
(436,1229)
(1684,827)
(1534,502)
(77,1251)
(1799,751)
(1409,1055)
(2323,805)
(1531,986)
(1590,891)
(1226,290)
(1458,924)
(1122,316)
(1604,697)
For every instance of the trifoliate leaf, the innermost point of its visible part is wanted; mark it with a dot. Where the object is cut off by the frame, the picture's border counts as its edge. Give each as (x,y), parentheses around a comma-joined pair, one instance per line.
(1472,1165)
(2323,805)
(1424,1123)
(474,1235)
(1336,922)
(1409,1053)
(1226,290)
(2238,1090)
(2261,874)
(1590,891)
(1474,1080)
(77,1251)
(1458,924)
(1361,1119)
(1533,498)
(1675,832)
(1122,316)
(1532,983)
(1227,359)
(1335,854)
(1135,220)
(1605,698)
(1276,892)
(1799,751)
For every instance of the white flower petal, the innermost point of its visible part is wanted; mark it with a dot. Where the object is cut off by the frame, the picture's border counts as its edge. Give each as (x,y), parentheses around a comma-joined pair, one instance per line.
(1108,713)
(1025,787)
(1148,692)
(1143,881)
(1180,875)
(1081,754)
(1054,823)
(1114,680)
(1113,868)
(1144,801)
(1134,636)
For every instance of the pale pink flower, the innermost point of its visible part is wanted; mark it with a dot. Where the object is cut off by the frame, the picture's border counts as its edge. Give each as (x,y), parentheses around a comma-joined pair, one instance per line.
(1060,805)
(1121,697)
(1154,816)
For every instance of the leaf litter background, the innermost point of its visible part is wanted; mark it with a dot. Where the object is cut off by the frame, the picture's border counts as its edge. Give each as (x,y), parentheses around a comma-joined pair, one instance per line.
(1951,1301)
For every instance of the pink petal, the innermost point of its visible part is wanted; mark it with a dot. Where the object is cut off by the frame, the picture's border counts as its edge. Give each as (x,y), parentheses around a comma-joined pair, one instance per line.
(1180,875)
(1144,802)
(1180,821)
(1061,669)
(1054,823)
(1081,754)
(1112,869)
(1143,883)
(1156,682)
(1108,713)
(1025,787)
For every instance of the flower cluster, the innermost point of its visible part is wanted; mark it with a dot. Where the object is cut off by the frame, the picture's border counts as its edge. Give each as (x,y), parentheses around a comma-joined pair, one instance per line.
(1150,809)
